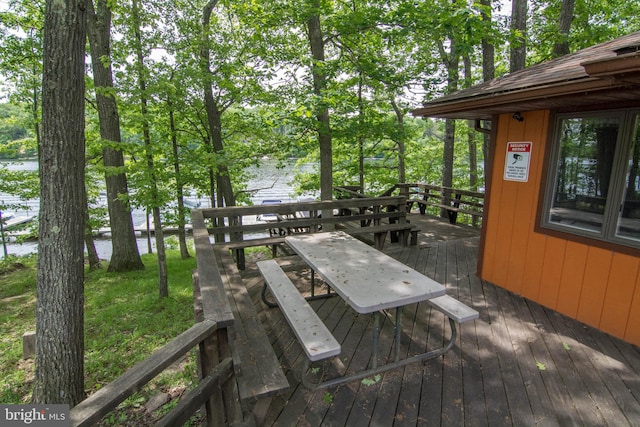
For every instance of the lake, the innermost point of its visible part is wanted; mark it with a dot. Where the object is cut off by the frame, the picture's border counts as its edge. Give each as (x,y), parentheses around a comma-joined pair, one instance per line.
(268,182)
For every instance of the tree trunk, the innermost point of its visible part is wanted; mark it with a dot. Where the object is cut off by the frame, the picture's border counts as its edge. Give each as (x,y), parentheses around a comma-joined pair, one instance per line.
(400,140)
(518,54)
(471,135)
(182,235)
(314,32)
(451,61)
(449,139)
(92,253)
(59,373)
(125,255)
(35,108)
(214,115)
(361,137)
(4,241)
(225,196)
(147,219)
(488,73)
(163,273)
(561,46)
(471,140)
(163,280)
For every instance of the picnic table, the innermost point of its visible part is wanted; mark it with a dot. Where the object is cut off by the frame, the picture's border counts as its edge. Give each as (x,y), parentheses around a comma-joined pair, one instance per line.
(371,282)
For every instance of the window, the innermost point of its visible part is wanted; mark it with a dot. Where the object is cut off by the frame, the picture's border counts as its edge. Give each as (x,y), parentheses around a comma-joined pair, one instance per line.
(593,188)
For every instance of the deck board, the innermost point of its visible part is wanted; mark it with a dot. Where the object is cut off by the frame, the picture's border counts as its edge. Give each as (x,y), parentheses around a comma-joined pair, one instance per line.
(490,378)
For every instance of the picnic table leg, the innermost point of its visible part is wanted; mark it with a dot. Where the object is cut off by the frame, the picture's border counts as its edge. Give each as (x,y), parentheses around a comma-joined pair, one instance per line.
(398,330)
(264,297)
(379,238)
(376,334)
(374,370)
(240,259)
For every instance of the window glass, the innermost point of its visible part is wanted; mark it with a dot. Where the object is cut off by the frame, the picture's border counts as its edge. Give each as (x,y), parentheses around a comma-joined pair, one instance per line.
(629,219)
(583,171)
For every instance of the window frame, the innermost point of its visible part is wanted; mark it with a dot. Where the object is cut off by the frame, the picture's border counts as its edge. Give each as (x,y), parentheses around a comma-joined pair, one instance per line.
(607,236)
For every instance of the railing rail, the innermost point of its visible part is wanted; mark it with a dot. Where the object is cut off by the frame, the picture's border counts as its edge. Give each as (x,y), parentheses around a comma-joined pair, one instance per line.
(229,220)
(91,410)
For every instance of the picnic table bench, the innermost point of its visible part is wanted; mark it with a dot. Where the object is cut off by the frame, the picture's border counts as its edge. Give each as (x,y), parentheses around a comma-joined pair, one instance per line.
(314,337)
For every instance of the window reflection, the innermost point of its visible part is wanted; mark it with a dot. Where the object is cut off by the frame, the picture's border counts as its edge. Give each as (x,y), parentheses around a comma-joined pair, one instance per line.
(583,174)
(629,219)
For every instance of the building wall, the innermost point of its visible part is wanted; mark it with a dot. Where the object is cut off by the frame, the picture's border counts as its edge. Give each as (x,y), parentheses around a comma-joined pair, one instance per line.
(597,286)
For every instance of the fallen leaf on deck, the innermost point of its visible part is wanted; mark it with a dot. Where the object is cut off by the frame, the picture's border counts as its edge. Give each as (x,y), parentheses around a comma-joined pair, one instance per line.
(371,381)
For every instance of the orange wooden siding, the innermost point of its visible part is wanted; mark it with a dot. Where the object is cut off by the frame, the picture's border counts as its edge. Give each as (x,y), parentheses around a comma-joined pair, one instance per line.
(596,286)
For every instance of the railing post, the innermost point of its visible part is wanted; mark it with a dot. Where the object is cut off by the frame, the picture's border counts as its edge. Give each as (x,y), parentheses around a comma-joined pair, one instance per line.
(223,406)
(425,197)
(237,237)
(218,223)
(214,407)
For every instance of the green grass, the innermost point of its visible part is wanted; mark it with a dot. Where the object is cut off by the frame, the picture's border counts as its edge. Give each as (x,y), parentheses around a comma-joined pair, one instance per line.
(17,311)
(125,321)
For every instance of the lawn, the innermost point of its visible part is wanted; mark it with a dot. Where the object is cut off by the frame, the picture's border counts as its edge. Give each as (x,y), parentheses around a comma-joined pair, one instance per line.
(125,321)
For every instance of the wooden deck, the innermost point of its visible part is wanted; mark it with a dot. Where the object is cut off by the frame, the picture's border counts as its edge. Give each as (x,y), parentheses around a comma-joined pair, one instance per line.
(518,364)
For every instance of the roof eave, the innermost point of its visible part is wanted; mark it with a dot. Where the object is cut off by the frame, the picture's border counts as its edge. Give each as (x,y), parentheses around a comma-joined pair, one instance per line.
(527,99)
(622,68)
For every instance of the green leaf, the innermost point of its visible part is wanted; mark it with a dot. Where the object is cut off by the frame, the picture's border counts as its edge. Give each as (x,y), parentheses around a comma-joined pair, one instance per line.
(541,366)
(372,381)
(328,397)
(566,346)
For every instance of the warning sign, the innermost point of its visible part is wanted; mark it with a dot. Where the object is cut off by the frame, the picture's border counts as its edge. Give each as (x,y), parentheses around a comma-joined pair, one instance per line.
(516,165)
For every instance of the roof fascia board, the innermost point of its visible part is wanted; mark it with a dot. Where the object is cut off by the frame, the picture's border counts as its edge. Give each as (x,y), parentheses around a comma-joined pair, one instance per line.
(611,67)
(583,86)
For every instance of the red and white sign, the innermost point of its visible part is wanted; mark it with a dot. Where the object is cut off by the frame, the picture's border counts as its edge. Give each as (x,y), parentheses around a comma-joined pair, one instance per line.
(516,164)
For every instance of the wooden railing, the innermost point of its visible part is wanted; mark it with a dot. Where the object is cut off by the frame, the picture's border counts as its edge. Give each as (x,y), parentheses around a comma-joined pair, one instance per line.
(436,199)
(240,227)
(215,389)
(430,198)
(95,407)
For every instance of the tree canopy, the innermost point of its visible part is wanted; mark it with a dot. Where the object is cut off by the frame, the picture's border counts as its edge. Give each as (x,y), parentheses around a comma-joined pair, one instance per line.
(380,59)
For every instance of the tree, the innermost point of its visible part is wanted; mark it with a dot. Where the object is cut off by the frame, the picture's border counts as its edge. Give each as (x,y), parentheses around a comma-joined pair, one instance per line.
(316,43)
(59,373)
(488,65)
(558,26)
(149,150)
(21,55)
(561,46)
(214,110)
(364,32)
(175,151)
(451,61)
(518,54)
(125,255)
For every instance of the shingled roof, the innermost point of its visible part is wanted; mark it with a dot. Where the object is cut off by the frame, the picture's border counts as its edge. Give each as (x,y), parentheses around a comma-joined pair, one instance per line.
(600,74)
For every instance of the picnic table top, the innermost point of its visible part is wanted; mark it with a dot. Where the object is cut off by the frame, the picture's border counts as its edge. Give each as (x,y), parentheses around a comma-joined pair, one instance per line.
(366,278)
